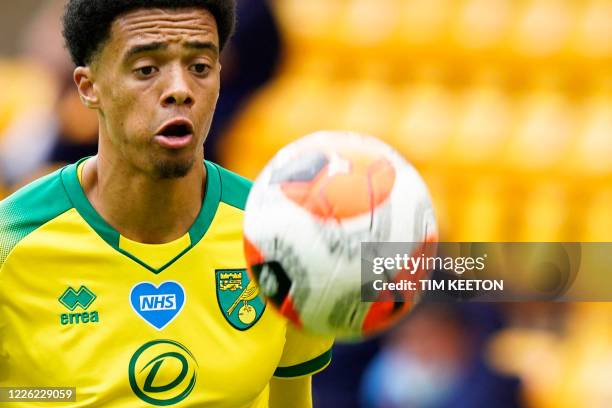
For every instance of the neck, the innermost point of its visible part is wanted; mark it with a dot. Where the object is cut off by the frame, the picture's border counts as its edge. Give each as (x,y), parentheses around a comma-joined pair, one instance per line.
(142,208)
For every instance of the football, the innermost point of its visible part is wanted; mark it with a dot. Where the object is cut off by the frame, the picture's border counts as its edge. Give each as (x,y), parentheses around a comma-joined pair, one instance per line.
(306,216)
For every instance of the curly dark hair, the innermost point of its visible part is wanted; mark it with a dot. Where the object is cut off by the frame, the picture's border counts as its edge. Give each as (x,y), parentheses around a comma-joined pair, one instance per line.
(87,22)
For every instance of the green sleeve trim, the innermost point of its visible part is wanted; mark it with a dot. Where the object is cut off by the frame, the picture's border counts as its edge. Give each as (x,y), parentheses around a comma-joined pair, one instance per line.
(308,368)
(234,188)
(29,208)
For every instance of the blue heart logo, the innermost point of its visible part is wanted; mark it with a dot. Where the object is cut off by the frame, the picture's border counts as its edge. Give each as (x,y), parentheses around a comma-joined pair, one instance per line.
(158,305)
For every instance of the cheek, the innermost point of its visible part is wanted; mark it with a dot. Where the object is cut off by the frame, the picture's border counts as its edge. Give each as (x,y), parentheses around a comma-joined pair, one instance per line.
(211,103)
(130,113)
(210,96)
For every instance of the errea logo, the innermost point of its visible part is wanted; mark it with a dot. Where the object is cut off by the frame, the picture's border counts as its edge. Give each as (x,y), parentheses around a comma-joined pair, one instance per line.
(73,299)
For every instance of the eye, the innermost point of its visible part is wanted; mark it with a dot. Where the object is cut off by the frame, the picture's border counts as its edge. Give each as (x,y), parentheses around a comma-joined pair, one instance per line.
(201,69)
(146,71)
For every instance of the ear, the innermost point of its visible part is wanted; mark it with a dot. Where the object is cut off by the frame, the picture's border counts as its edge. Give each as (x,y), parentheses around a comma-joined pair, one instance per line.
(83,77)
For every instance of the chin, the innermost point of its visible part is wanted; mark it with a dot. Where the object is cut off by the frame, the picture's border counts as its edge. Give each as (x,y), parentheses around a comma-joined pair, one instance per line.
(170,169)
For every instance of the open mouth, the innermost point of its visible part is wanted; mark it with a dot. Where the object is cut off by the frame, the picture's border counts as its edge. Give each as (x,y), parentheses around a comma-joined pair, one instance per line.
(178,129)
(175,134)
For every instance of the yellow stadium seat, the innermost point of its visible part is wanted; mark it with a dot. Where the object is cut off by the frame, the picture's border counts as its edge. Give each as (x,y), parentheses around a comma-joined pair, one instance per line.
(545,215)
(368,24)
(24,85)
(594,34)
(308,24)
(482,211)
(484,123)
(593,151)
(543,132)
(543,28)
(482,25)
(424,25)
(425,121)
(598,217)
(370,107)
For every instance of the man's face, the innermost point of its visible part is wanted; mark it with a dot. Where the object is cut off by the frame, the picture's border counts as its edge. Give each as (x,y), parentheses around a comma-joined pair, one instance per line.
(157,80)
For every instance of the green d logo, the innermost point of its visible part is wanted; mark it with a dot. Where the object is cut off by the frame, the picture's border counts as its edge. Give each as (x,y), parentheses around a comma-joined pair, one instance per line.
(162,372)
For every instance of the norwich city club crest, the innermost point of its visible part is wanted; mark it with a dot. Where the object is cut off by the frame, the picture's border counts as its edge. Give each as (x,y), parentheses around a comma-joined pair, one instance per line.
(238,298)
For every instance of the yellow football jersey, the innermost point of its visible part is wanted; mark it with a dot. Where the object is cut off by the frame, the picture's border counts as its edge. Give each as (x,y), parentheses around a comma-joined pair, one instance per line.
(135,325)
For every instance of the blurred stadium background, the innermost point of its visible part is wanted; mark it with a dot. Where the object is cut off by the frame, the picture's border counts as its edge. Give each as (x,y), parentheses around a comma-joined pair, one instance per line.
(505,106)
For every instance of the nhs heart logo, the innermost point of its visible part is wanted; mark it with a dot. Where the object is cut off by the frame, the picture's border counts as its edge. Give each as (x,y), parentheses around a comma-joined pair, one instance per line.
(158,305)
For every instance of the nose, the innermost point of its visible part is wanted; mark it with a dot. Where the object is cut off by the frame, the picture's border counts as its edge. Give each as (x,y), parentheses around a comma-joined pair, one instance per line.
(178,91)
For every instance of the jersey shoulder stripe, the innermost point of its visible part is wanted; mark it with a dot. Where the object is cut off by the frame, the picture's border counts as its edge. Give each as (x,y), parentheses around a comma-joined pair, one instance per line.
(309,367)
(234,188)
(29,208)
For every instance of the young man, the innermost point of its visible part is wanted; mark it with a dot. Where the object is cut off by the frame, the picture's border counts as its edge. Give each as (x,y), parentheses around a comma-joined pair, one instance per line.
(123,275)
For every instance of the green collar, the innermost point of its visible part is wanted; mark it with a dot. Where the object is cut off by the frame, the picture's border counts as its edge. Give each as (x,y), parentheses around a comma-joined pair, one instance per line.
(79,200)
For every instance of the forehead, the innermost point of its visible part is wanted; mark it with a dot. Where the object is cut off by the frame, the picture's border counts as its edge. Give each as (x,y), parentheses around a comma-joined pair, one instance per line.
(164,25)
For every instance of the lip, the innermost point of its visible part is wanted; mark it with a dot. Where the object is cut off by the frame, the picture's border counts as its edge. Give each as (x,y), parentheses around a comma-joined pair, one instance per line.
(174,142)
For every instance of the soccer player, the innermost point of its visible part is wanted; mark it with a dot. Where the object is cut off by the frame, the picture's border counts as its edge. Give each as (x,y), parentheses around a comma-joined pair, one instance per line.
(123,274)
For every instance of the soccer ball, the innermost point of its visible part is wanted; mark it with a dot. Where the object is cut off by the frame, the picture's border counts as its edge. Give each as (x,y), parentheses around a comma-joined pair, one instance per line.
(307,214)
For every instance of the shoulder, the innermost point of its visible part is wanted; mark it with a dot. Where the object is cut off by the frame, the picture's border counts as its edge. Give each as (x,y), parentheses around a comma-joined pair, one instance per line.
(234,188)
(30,207)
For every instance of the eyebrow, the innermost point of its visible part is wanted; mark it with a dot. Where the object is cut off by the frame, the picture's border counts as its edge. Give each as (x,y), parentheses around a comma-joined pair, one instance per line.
(158,46)
(143,48)
(200,45)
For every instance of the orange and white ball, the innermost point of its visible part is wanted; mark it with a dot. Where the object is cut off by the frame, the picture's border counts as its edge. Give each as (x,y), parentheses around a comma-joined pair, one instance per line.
(307,214)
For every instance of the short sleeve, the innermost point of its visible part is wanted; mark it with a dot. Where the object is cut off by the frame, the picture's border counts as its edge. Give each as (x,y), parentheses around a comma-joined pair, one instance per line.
(304,354)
